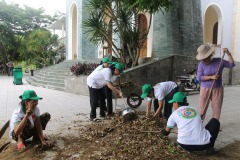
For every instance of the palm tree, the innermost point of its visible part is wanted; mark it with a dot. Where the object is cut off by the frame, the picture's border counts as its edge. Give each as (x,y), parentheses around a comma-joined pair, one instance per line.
(115,22)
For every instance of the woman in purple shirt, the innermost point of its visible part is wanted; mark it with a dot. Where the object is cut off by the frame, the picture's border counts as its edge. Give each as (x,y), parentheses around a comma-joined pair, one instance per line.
(208,74)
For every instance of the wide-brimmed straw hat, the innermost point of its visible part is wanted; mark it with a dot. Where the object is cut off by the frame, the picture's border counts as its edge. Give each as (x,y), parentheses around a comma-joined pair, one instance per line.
(204,51)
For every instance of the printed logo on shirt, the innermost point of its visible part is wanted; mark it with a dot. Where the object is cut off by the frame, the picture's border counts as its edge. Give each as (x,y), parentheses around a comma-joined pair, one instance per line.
(188,113)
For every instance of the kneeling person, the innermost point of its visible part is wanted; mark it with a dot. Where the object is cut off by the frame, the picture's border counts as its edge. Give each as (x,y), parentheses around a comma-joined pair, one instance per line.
(192,135)
(26,121)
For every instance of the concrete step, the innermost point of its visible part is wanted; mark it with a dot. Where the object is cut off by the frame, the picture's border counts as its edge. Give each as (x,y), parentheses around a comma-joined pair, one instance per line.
(34,83)
(52,73)
(48,82)
(53,77)
(58,68)
(58,79)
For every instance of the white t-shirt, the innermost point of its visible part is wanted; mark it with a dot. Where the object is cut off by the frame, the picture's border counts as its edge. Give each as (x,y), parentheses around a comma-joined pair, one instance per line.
(162,89)
(19,113)
(190,127)
(99,68)
(99,78)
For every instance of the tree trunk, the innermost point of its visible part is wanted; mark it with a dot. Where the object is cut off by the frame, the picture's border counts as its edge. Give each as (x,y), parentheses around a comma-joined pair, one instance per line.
(4,54)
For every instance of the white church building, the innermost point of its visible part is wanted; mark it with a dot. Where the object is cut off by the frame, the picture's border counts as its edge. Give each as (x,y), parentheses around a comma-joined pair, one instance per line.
(221,24)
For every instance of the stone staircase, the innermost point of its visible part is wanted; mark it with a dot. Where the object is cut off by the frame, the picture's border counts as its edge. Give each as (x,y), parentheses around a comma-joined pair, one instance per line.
(53,77)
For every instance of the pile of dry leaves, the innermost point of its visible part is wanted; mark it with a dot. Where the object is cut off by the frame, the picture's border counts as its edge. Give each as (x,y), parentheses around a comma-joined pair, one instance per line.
(113,139)
(107,139)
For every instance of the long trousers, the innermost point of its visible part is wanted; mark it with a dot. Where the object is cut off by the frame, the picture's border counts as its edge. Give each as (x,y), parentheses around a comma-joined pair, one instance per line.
(108,92)
(216,99)
(213,127)
(96,95)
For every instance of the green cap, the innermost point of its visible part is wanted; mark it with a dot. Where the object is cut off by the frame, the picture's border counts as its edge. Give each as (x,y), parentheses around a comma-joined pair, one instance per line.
(178,97)
(114,63)
(146,89)
(29,94)
(106,60)
(119,67)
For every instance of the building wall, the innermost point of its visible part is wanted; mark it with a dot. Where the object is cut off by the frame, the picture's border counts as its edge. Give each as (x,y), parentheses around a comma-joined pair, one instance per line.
(86,50)
(235,74)
(178,32)
(236,30)
(165,69)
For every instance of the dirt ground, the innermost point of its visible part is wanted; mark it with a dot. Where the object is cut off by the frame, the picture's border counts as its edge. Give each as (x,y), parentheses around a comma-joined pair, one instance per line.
(112,139)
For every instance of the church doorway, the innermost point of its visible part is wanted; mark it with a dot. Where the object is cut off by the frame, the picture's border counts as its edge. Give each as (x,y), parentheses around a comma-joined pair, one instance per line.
(213,25)
(143,26)
(215,33)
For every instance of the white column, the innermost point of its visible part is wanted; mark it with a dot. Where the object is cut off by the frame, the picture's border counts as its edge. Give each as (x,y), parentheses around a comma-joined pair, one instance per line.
(63,30)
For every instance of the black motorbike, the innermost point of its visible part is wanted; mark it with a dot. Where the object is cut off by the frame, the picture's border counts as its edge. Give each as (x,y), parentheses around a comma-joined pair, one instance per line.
(188,83)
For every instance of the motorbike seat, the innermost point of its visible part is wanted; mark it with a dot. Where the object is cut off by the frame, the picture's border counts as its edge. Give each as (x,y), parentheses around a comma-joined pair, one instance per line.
(183,77)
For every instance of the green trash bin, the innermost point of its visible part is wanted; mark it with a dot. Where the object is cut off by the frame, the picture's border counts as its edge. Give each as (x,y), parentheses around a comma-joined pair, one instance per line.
(17,75)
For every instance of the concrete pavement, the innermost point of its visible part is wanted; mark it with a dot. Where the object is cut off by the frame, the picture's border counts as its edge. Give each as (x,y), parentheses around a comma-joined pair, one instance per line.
(63,107)
(68,109)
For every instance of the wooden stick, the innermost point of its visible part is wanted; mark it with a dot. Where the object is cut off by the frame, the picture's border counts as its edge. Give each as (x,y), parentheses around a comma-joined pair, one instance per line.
(209,94)
(4,128)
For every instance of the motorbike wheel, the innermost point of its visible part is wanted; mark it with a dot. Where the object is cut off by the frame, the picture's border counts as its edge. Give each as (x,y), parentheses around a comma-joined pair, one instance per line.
(181,88)
(193,86)
(134,100)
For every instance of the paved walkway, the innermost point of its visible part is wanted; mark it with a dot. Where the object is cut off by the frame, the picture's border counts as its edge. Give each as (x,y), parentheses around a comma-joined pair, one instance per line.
(68,109)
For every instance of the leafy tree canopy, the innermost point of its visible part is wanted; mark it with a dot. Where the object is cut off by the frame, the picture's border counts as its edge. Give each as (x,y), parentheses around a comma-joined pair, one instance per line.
(40,47)
(152,6)
(21,20)
(15,23)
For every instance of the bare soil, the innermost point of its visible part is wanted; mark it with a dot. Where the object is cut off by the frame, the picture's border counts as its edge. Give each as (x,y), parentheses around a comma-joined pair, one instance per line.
(112,139)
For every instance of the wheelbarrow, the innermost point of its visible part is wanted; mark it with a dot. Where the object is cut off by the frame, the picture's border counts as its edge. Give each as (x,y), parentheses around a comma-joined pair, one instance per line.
(132,92)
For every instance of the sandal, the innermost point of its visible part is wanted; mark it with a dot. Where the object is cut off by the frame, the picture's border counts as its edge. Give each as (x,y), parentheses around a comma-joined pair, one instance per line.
(20,146)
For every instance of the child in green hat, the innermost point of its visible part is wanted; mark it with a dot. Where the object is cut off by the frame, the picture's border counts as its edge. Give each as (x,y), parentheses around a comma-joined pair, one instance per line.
(26,121)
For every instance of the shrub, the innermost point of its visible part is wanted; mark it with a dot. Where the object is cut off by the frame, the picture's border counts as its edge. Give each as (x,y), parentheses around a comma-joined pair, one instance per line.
(83,68)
